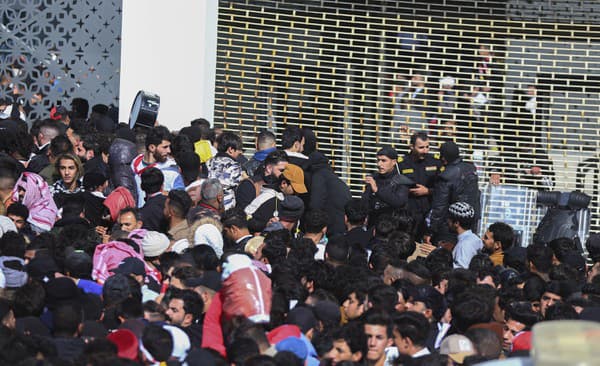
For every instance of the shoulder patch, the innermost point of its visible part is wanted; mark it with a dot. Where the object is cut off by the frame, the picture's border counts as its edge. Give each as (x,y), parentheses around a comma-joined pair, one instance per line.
(436,155)
(400,159)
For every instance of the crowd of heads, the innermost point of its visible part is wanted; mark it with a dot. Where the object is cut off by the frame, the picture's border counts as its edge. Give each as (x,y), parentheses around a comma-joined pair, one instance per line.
(147,246)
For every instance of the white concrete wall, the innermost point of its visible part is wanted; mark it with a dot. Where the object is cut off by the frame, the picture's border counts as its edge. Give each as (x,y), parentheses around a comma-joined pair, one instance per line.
(169,48)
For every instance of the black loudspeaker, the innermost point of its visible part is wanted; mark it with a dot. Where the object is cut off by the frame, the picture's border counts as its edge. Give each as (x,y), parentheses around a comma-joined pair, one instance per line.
(144,110)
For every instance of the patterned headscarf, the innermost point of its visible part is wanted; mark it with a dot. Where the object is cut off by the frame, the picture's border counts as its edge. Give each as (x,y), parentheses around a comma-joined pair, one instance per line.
(35,195)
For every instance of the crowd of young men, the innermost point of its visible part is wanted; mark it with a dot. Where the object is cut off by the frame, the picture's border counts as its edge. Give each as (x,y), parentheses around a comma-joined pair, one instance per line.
(160,247)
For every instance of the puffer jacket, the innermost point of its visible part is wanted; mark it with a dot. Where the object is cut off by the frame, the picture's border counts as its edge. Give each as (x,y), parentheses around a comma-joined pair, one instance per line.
(122,153)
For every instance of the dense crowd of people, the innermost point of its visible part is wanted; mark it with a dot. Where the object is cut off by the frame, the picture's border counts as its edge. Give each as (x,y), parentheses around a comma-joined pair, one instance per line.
(158,247)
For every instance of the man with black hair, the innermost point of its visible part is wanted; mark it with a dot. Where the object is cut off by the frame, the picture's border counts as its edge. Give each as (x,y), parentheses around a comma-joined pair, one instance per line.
(157,155)
(423,168)
(349,344)
(185,311)
(267,174)
(156,345)
(428,301)
(94,185)
(386,191)
(48,130)
(96,153)
(519,317)
(456,183)
(328,192)
(460,219)
(225,167)
(497,239)
(539,257)
(59,145)
(79,108)
(177,206)
(235,228)
(292,141)
(410,334)
(66,321)
(190,169)
(19,213)
(355,218)
(129,219)
(379,331)
(468,310)
(275,248)
(560,247)
(336,252)
(555,291)
(153,219)
(315,229)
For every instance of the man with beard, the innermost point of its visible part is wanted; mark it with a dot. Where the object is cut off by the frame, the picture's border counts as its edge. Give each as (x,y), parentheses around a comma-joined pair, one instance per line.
(267,173)
(269,202)
(386,191)
(422,167)
(157,155)
(496,240)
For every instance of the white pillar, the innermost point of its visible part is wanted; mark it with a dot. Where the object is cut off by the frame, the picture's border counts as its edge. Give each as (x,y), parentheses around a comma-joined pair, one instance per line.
(170,48)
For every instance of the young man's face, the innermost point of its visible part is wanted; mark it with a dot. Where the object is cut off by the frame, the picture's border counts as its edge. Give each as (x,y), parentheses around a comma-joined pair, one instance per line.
(175,312)
(128,222)
(67,170)
(341,352)
(18,221)
(235,153)
(385,165)
(276,169)
(511,329)
(400,342)
(352,307)
(161,151)
(488,242)
(548,299)
(377,341)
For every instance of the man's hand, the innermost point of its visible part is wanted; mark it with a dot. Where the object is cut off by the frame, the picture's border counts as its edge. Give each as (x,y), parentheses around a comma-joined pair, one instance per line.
(371,181)
(420,190)
(536,170)
(424,249)
(495,179)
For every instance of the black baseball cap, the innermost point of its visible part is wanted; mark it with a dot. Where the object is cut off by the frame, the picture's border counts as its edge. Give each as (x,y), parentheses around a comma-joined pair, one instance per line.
(131,265)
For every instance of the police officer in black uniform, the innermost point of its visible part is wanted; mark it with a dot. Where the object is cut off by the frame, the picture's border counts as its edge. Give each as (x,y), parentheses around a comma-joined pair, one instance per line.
(422,168)
(386,191)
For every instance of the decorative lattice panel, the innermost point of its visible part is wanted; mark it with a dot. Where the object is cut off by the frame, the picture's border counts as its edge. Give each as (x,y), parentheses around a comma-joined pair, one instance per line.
(54,50)
(524,78)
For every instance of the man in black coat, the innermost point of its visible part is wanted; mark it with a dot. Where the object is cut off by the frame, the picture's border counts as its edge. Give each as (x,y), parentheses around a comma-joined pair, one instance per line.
(457,182)
(386,191)
(329,193)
